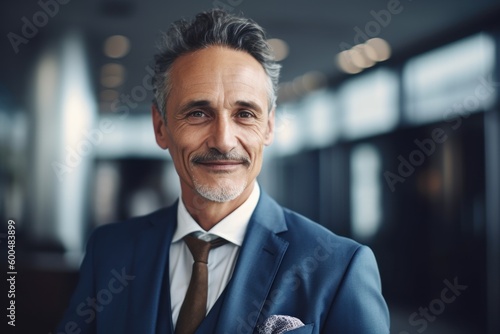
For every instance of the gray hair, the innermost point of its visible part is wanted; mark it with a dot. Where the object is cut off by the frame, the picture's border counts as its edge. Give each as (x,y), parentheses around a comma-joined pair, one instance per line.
(214,27)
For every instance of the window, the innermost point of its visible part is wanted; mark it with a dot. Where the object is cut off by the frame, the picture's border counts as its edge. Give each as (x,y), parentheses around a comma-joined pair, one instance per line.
(321,118)
(453,78)
(366,210)
(369,104)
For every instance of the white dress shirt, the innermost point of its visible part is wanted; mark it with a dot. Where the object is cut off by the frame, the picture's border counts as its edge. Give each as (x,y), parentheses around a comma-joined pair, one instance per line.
(221,260)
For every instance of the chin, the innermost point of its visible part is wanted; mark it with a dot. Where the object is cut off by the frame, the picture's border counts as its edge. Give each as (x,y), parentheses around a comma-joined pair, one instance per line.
(225,190)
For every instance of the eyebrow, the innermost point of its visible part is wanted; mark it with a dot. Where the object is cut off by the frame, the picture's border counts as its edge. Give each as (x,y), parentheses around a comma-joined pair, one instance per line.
(249,104)
(194,104)
(206,104)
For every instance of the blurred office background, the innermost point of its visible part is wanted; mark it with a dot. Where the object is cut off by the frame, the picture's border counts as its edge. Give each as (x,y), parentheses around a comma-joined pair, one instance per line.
(388,132)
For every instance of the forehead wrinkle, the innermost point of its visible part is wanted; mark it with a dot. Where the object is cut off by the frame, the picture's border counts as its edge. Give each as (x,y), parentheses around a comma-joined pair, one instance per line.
(225,93)
(202,76)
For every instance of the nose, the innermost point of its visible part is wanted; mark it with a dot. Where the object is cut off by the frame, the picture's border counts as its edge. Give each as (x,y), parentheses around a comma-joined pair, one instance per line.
(223,137)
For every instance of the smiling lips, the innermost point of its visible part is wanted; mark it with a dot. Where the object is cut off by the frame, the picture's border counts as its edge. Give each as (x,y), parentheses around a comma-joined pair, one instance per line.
(213,160)
(222,165)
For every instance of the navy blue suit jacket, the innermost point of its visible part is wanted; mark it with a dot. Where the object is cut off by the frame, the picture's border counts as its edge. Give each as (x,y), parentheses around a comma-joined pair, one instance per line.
(288,265)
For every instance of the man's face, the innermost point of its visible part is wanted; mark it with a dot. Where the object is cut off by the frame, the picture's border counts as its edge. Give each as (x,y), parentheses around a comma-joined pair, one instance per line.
(218,122)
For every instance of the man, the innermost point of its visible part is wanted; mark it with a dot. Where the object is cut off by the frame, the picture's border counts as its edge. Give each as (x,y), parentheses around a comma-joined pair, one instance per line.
(269,269)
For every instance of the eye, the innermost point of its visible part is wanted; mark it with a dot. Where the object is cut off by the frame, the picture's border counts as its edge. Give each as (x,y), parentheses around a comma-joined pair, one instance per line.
(197,117)
(245,114)
(197,114)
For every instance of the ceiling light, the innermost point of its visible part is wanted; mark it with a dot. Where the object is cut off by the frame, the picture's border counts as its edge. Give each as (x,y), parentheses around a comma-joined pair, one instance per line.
(313,80)
(279,48)
(366,53)
(381,47)
(369,52)
(109,95)
(116,46)
(345,63)
(112,75)
(359,58)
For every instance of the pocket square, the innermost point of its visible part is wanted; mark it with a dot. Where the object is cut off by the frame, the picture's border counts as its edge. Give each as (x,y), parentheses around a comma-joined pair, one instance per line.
(279,324)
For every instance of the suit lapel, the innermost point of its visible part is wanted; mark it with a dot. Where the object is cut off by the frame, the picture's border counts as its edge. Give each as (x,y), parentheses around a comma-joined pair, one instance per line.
(258,262)
(150,266)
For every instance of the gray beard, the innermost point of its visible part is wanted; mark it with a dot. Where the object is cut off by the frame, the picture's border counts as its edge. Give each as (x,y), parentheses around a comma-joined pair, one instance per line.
(221,193)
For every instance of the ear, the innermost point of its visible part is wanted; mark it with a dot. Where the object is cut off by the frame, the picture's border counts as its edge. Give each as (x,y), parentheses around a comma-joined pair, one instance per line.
(270,128)
(160,128)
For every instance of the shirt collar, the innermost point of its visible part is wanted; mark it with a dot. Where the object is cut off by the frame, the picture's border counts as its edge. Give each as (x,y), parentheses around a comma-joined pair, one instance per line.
(232,227)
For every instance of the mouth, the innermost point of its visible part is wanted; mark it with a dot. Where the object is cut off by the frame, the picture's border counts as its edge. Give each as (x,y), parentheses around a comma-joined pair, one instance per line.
(221,165)
(214,161)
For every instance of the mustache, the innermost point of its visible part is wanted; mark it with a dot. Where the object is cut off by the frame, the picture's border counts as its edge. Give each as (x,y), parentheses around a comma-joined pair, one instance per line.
(213,155)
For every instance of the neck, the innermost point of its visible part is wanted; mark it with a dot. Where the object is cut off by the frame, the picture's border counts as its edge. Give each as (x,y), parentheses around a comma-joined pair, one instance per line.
(208,213)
